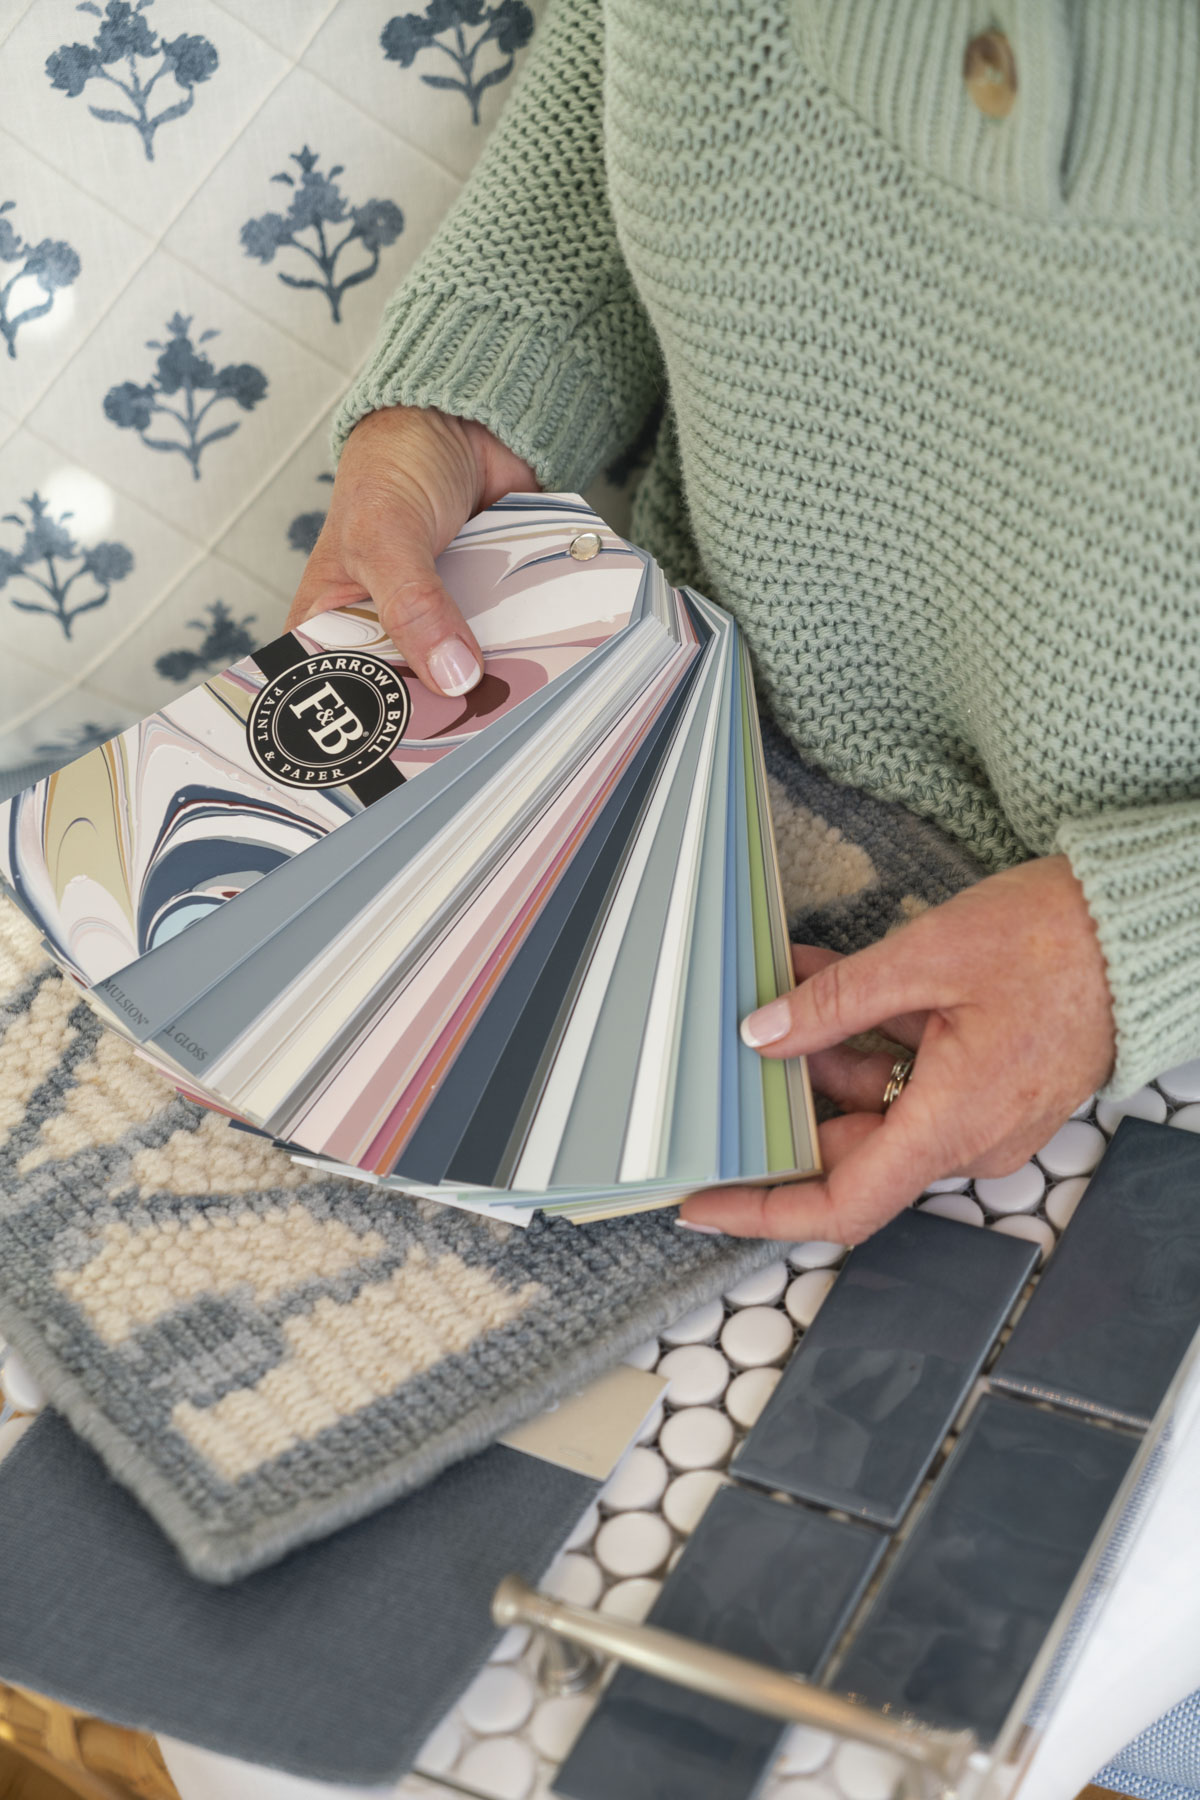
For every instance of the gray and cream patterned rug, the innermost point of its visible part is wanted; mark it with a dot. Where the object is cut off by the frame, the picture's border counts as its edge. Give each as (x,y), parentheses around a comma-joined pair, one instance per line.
(262,1357)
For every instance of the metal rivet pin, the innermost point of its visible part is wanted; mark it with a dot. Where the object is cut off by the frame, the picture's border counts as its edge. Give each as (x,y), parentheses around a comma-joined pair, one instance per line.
(585,546)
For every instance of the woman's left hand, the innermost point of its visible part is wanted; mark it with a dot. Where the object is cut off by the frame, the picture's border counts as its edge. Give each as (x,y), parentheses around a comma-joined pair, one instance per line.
(1002,994)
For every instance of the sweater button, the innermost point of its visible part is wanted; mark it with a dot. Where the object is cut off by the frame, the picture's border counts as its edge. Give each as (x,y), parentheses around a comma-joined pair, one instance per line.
(990,73)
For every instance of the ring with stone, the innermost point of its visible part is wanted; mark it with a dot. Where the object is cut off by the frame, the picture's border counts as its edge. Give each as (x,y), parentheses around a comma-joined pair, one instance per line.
(897,1081)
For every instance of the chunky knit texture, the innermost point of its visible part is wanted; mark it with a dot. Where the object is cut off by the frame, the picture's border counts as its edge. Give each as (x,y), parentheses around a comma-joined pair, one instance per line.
(933,391)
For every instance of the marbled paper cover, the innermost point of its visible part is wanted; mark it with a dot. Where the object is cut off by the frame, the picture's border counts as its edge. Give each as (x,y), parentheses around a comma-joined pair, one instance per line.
(123,849)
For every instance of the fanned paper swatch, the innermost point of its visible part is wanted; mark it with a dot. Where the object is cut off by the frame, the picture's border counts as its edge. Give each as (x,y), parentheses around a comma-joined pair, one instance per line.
(492,951)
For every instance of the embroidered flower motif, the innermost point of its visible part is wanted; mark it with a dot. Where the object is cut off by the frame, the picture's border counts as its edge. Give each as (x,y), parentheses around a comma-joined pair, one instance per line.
(317,202)
(185,372)
(78,740)
(445,25)
(305,528)
(224,640)
(47,541)
(123,36)
(43,268)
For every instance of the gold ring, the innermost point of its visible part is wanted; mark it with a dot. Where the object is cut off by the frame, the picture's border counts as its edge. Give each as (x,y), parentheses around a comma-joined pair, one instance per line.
(902,1068)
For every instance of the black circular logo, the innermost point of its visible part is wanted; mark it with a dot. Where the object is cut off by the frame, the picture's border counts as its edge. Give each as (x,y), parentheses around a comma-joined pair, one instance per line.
(328,719)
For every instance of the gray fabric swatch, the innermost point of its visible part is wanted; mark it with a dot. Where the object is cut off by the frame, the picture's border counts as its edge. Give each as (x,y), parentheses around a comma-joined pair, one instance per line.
(335,1664)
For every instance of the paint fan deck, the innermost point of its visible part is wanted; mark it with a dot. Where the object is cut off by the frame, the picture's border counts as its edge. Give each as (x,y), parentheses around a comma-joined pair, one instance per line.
(492,950)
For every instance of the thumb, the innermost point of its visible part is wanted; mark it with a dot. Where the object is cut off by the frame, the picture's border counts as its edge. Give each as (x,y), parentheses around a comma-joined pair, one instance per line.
(392,563)
(407,482)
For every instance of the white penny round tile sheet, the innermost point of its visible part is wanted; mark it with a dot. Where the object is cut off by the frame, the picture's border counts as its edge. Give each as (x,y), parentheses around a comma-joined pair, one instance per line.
(1182,1083)
(574,1579)
(499,1768)
(1062,1200)
(22,1392)
(700,1326)
(1034,1231)
(1075,1149)
(698,1374)
(686,1500)
(631,1599)
(1016,1193)
(557,1723)
(806,1295)
(442,1749)
(759,1335)
(1147,1103)
(637,1481)
(498,1700)
(699,1437)
(633,1543)
(816,1253)
(748,1393)
(762,1287)
(804,1751)
(959,1207)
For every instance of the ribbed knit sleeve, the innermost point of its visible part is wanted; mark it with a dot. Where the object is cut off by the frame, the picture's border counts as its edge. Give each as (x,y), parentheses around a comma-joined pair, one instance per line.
(1139,868)
(521,313)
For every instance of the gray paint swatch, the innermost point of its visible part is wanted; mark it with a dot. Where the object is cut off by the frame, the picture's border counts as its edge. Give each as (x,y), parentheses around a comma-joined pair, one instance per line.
(762,1578)
(867,1399)
(1120,1303)
(964,1610)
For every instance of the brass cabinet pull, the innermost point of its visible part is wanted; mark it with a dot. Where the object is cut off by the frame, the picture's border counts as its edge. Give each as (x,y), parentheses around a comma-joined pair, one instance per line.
(937,1759)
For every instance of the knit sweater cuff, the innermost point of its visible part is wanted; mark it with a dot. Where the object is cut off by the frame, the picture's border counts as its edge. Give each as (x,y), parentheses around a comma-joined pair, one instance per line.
(499,366)
(1140,873)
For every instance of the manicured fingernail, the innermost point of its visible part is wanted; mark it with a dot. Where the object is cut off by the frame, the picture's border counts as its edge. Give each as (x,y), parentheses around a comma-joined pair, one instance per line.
(453,667)
(767,1025)
(691,1225)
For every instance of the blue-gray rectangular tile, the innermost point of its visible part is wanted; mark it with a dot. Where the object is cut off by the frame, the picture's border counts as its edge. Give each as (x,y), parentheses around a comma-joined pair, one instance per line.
(867,1399)
(965,1608)
(762,1578)
(1120,1302)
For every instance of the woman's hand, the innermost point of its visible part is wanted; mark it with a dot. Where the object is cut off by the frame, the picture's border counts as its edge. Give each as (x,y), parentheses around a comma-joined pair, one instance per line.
(407,482)
(1003,995)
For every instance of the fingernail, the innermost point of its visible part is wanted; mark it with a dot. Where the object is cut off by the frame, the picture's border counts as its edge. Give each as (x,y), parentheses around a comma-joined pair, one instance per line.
(691,1225)
(767,1025)
(453,667)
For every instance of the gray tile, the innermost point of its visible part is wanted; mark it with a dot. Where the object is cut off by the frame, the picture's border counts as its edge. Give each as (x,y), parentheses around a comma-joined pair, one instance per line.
(964,1610)
(1120,1301)
(868,1397)
(759,1577)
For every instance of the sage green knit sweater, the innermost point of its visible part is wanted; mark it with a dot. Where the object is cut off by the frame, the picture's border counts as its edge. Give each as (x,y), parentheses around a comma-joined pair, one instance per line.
(934,421)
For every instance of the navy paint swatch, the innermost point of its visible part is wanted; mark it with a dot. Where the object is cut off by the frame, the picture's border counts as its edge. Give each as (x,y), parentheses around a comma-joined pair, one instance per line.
(1120,1302)
(761,1578)
(965,1608)
(867,1399)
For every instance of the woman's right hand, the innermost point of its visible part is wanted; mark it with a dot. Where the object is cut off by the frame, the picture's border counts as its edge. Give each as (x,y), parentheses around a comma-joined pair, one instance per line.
(408,481)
